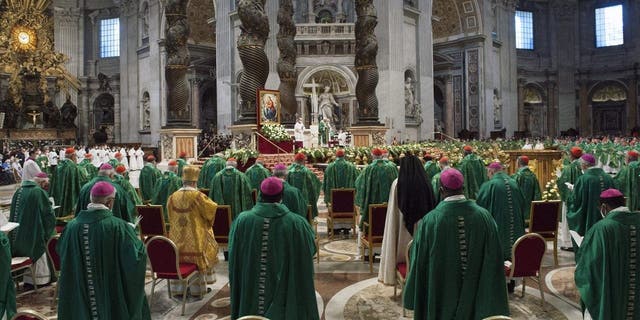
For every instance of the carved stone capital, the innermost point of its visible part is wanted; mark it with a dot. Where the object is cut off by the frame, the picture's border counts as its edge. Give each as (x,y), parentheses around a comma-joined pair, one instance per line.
(66,15)
(128,7)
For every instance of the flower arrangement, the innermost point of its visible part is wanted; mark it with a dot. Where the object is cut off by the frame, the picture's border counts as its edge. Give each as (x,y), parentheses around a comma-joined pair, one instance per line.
(550,191)
(242,155)
(275,132)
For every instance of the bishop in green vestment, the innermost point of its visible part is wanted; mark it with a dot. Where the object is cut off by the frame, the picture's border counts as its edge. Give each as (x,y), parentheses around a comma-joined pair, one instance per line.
(209,170)
(443,164)
(103,264)
(182,162)
(375,183)
(306,181)
(528,184)
(121,178)
(166,186)
(256,173)
(503,199)
(7,287)
(430,166)
(43,162)
(584,206)
(149,176)
(124,206)
(30,207)
(231,187)
(474,172)
(67,183)
(292,198)
(87,165)
(628,181)
(607,272)
(339,174)
(457,269)
(570,173)
(271,260)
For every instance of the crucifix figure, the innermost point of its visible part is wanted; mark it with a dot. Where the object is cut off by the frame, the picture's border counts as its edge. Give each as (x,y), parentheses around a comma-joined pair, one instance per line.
(34,116)
(314,99)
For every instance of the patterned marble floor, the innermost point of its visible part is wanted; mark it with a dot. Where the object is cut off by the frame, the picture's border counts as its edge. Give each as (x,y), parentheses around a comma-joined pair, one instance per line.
(345,289)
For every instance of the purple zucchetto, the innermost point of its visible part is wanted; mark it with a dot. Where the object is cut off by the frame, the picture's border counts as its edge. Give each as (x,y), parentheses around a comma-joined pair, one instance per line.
(106,167)
(588,159)
(102,189)
(611,193)
(452,179)
(495,165)
(279,167)
(271,186)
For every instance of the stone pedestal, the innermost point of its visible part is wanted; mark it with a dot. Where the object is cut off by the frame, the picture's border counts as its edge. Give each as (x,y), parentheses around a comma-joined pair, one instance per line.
(174,141)
(366,136)
(243,136)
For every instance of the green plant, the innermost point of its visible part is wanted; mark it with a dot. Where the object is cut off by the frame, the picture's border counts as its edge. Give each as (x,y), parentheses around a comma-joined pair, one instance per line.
(275,132)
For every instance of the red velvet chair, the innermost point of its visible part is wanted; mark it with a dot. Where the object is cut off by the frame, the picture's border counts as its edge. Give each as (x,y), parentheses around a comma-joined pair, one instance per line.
(544,221)
(342,208)
(165,264)
(374,230)
(526,258)
(222,225)
(28,314)
(152,223)
(54,258)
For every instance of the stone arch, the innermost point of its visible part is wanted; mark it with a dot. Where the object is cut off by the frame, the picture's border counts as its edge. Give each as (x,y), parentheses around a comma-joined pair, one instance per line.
(535,109)
(344,72)
(609,106)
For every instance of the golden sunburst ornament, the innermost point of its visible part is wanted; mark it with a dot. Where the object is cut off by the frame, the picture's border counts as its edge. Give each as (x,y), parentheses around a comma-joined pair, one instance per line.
(23,39)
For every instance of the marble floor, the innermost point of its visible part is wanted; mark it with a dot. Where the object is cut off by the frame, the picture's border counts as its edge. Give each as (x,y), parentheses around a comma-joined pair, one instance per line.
(346,290)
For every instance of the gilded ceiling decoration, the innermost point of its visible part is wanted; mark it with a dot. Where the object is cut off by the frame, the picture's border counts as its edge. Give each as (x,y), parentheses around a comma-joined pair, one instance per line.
(532,95)
(612,92)
(453,17)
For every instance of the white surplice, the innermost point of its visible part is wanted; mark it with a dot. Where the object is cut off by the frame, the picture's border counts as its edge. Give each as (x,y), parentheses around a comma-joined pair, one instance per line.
(43,275)
(395,240)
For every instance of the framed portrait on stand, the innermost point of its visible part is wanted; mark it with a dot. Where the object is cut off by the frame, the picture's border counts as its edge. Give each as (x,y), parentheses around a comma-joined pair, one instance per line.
(268,106)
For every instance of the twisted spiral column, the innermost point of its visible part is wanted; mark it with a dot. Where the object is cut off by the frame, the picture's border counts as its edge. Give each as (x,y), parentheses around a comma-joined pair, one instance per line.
(365,62)
(178,92)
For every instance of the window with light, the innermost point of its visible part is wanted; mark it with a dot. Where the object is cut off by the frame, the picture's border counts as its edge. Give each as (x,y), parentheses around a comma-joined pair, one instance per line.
(110,38)
(524,30)
(609,26)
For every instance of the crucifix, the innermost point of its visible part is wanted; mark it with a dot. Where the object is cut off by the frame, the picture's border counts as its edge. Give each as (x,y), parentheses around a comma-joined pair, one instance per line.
(34,116)
(314,99)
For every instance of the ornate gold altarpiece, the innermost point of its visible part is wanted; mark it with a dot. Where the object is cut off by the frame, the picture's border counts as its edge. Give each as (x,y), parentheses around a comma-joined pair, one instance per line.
(542,162)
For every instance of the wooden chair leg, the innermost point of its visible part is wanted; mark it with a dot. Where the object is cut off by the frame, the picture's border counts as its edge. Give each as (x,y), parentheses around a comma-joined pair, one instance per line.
(153,287)
(33,277)
(523,285)
(330,227)
(541,291)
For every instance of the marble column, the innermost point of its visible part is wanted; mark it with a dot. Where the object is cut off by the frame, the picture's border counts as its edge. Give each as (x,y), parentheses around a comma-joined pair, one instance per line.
(564,48)
(117,128)
(450,113)
(424,37)
(367,51)
(176,35)
(68,41)
(585,114)
(522,117)
(552,108)
(225,53)
(127,115)
(632,102)
(83,111)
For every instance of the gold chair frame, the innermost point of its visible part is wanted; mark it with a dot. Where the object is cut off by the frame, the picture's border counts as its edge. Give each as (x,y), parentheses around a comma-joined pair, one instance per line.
(29,313)
(513,266)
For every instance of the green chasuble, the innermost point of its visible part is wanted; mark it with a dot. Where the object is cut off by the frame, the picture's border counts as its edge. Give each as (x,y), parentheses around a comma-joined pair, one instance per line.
(103,264)
(271,264)
(570,173)
(529,186)
(584,202)
(124,206)
(231,187)
(628,182)
(128,188)
(475,174)
(293,199)
(149,176)
(375,184)
(89,169)
(339,174)
(181,164)
(66,185)
(113,162)
(256,173)
(607,270)
(307,182)
(7,287)
(43,163)
(209,170)
(457,270)
(165,187)
(431,168)
(435,183)
(30,207)
(503,199)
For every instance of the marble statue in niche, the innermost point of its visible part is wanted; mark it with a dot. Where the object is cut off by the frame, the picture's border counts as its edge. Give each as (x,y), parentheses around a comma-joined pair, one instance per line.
(146,111)
(410,105)
(497,109)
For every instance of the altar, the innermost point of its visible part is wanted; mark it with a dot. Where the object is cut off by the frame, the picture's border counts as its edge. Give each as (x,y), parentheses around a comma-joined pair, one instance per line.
(67,135)
(542,162)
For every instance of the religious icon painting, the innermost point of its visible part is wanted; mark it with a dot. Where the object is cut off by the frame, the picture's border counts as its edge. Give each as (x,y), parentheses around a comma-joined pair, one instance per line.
(268,106)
